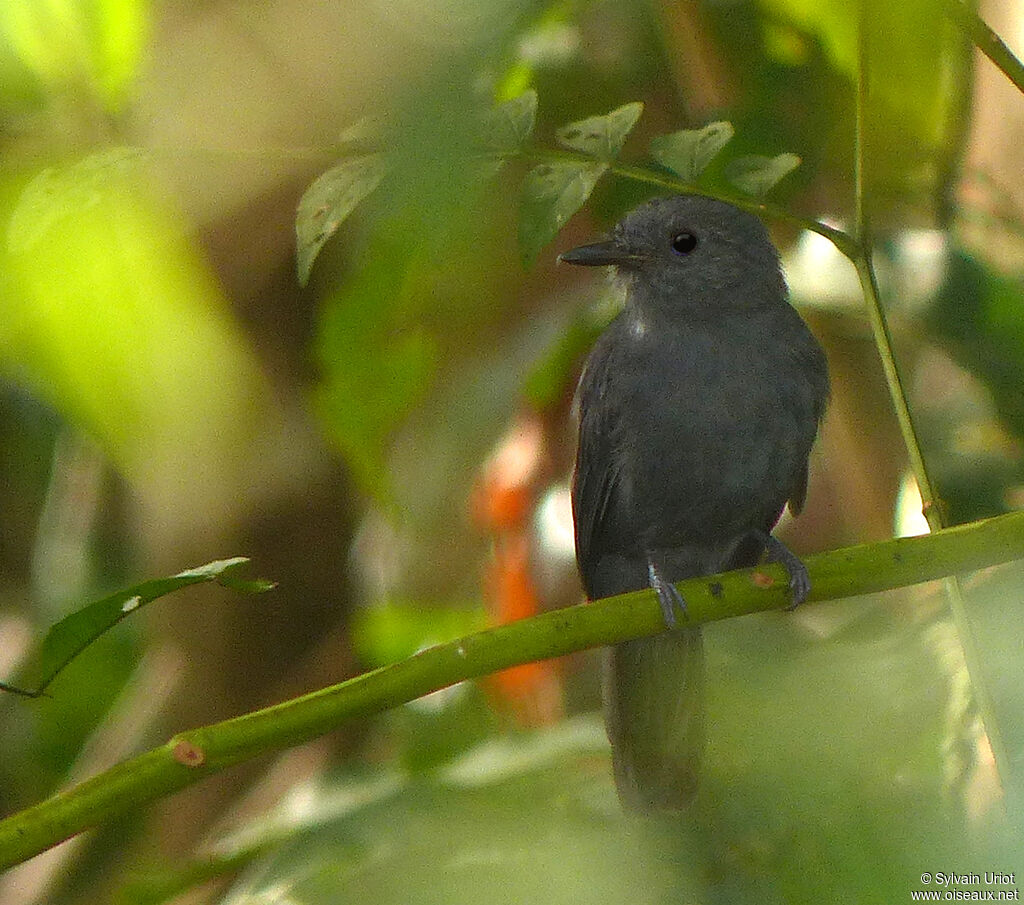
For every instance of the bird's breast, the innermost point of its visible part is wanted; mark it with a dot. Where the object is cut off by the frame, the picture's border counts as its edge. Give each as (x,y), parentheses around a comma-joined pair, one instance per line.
(705,438)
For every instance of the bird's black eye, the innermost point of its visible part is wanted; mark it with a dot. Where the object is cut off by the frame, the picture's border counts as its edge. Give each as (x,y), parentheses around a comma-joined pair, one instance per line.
(683,243)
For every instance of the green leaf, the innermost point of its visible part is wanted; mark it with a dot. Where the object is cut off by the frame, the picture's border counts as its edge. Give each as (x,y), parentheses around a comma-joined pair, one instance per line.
(508,125)
(758,175)
(384,329)
(328,201)
(688,152)
(552,193)
(57,193)
(74,633)
(919,66)
(601,136)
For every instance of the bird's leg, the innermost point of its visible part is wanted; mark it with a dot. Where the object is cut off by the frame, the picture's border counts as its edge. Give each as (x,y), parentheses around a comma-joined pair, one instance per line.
(669,598)
(799,580)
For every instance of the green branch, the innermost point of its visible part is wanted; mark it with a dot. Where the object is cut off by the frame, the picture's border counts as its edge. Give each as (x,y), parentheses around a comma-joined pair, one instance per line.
(193,755)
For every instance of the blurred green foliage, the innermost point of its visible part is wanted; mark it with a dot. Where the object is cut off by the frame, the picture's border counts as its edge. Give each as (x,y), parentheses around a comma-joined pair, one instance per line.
(112,318)
(70,47)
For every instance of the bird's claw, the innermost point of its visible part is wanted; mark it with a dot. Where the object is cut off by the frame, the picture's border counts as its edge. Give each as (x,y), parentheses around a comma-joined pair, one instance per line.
(668,596)
(799,580)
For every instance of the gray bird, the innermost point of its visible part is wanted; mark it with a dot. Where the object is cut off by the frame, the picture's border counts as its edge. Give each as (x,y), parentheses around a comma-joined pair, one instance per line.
(697,408)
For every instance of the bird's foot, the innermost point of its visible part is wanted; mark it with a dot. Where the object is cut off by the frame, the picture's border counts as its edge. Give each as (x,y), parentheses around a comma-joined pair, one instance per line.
(668,596)
(799,580)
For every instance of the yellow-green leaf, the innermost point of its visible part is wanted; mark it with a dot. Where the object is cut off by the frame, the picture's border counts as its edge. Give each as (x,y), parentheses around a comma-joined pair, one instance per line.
(601,136)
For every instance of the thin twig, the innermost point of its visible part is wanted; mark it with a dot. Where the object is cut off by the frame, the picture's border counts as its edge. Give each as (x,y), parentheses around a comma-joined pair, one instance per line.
(863,261)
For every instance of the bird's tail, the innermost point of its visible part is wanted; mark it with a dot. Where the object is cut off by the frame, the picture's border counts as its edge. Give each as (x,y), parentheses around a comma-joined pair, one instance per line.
(654,714)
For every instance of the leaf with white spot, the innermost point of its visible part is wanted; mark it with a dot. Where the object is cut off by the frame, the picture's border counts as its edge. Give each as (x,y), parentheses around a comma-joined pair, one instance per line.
(689,151)
(552,193)
(328,201)
(74,633)
(601,136)
(757,175)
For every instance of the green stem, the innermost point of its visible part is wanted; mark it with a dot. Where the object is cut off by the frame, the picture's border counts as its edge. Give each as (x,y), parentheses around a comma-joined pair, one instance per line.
(987,41)
(931,504)
(931,507)
(860,214)
(863,261)
(193,755)
(883,341)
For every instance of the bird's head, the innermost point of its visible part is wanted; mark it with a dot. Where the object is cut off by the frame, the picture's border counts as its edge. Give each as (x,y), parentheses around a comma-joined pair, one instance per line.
(690,251)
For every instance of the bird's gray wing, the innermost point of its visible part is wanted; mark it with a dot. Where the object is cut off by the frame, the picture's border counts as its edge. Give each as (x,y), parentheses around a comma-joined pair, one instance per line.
(799,494)
(596,475)
(812,405)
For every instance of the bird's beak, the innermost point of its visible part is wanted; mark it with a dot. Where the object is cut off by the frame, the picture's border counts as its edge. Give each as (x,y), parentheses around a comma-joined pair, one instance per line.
(601,254)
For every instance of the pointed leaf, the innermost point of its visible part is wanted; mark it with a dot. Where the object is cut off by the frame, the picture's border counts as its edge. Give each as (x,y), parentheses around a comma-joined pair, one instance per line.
(552,193)
(328,201)
(601,136)
(508,125)
(74,633)
(758,175)
(689,151)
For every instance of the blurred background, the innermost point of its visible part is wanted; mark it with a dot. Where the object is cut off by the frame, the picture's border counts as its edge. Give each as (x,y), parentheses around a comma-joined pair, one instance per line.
(392,445)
